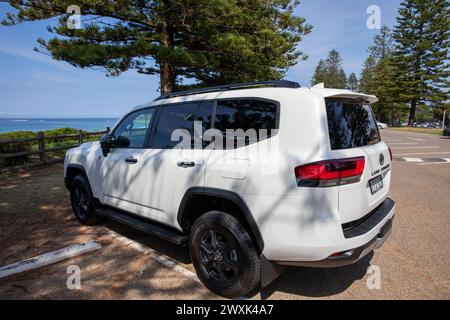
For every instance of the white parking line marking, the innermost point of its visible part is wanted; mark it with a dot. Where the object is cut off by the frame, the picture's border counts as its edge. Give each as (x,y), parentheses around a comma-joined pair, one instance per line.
(161,258)
(416,139)
(428,163)
(413,159)
(49,258)
(415,153)
(432,147)
(403,143)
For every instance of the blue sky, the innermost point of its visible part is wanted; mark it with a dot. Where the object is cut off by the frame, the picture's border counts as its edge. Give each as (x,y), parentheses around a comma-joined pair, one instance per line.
(32,84)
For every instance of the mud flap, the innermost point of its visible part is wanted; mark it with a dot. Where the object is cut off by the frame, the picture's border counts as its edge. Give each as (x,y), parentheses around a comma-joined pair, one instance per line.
(269,271)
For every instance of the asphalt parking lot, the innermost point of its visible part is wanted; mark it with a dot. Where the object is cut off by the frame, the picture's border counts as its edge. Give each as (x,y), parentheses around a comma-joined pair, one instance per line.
(35,217)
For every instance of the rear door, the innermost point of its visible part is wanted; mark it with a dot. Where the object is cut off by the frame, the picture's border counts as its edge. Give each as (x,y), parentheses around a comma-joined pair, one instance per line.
(175,160)
(353,132)
(243,124)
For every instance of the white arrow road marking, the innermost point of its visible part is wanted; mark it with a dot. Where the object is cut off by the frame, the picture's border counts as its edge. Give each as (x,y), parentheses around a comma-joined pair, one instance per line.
(49,258)
(413,159)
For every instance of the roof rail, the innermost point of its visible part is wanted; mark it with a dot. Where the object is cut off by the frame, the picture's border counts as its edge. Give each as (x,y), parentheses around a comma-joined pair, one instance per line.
(235,86)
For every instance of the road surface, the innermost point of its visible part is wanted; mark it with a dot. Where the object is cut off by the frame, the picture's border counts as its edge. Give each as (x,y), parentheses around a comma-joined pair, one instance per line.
(35,217)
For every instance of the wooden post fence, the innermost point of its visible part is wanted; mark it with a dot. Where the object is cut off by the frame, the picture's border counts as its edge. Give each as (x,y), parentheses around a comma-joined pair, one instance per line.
(41,143)
(41,149)
(80,136)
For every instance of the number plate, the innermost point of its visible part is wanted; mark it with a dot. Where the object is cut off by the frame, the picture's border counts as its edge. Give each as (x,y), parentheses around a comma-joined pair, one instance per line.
(376,184)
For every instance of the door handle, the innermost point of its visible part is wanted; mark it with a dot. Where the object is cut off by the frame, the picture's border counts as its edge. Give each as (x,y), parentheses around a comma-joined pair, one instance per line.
(131,160)
(185,164)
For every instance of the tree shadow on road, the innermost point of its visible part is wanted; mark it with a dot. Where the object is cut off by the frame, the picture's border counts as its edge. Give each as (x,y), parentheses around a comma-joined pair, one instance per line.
(178,253)
(299,281)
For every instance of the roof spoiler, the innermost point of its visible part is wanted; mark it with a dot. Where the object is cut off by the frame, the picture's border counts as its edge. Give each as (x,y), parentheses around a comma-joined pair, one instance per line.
(345,94)
(366,97)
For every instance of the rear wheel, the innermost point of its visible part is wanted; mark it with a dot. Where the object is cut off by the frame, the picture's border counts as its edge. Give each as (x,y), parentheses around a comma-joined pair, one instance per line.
(83,204)
(224,255)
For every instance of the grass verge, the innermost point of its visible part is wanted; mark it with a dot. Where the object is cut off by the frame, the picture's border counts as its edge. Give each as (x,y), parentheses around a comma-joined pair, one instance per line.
(420,130)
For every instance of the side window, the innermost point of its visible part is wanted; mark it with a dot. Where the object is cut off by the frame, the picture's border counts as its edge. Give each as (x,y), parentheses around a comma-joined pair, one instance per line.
(181,116)
(246,114)
(204,114)
(132,131)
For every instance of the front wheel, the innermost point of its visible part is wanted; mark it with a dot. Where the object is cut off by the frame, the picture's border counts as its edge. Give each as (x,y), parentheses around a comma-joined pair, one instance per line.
(82,200)
(224,255)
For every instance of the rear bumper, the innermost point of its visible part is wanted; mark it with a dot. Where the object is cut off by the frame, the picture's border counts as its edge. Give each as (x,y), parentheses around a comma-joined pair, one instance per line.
(313,234)
(270,270)
(350,256)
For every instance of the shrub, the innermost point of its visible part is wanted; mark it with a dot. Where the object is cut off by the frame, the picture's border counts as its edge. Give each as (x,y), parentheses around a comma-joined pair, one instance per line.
(16,147)
(59,142)
(33,145)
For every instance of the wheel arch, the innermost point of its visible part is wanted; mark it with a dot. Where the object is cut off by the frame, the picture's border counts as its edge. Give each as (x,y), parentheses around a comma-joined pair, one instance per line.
(72,171)
(199,200)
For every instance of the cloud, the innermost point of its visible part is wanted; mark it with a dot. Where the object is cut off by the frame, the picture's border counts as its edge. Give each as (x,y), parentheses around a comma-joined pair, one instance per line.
(62,72)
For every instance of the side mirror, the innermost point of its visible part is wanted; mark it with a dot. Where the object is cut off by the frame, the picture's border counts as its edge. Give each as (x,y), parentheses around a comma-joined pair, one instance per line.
(107,142)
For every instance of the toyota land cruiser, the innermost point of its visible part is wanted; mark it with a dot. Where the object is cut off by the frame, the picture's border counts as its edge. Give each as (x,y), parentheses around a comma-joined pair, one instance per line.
(253,176)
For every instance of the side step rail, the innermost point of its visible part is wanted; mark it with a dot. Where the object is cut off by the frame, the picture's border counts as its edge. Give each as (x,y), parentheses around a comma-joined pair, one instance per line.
(144,225)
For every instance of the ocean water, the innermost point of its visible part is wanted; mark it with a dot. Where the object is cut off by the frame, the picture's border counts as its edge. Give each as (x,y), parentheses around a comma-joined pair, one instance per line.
(40,124)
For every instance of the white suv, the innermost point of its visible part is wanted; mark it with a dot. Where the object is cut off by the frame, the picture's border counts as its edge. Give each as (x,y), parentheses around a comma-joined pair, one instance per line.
(268,174)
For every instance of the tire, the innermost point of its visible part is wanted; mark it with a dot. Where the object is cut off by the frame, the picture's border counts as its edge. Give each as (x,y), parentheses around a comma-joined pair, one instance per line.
(224,255)
(82,200)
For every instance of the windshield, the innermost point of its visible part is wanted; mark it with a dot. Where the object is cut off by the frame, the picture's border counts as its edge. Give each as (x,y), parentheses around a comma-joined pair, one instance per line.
(350,124)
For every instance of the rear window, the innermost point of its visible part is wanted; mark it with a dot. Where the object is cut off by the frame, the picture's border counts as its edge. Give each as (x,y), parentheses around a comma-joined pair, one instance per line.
(350,124)
(246,114)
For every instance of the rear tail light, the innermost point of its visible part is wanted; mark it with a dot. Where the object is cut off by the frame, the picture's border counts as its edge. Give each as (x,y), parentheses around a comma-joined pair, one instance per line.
(390,153)
(330,173)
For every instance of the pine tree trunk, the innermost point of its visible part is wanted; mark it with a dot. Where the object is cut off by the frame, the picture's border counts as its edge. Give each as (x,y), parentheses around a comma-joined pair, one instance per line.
(167,70)
(417,77)
(412,112)
(167,78)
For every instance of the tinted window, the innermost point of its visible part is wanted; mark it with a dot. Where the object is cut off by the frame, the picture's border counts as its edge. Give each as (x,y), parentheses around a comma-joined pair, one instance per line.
(204,114)
(180,116)
(246,114)
(350,124)
(132,131)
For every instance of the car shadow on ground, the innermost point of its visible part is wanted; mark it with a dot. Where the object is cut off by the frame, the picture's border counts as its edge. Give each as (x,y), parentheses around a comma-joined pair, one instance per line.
(303,282)
(178,253)
(318,282)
